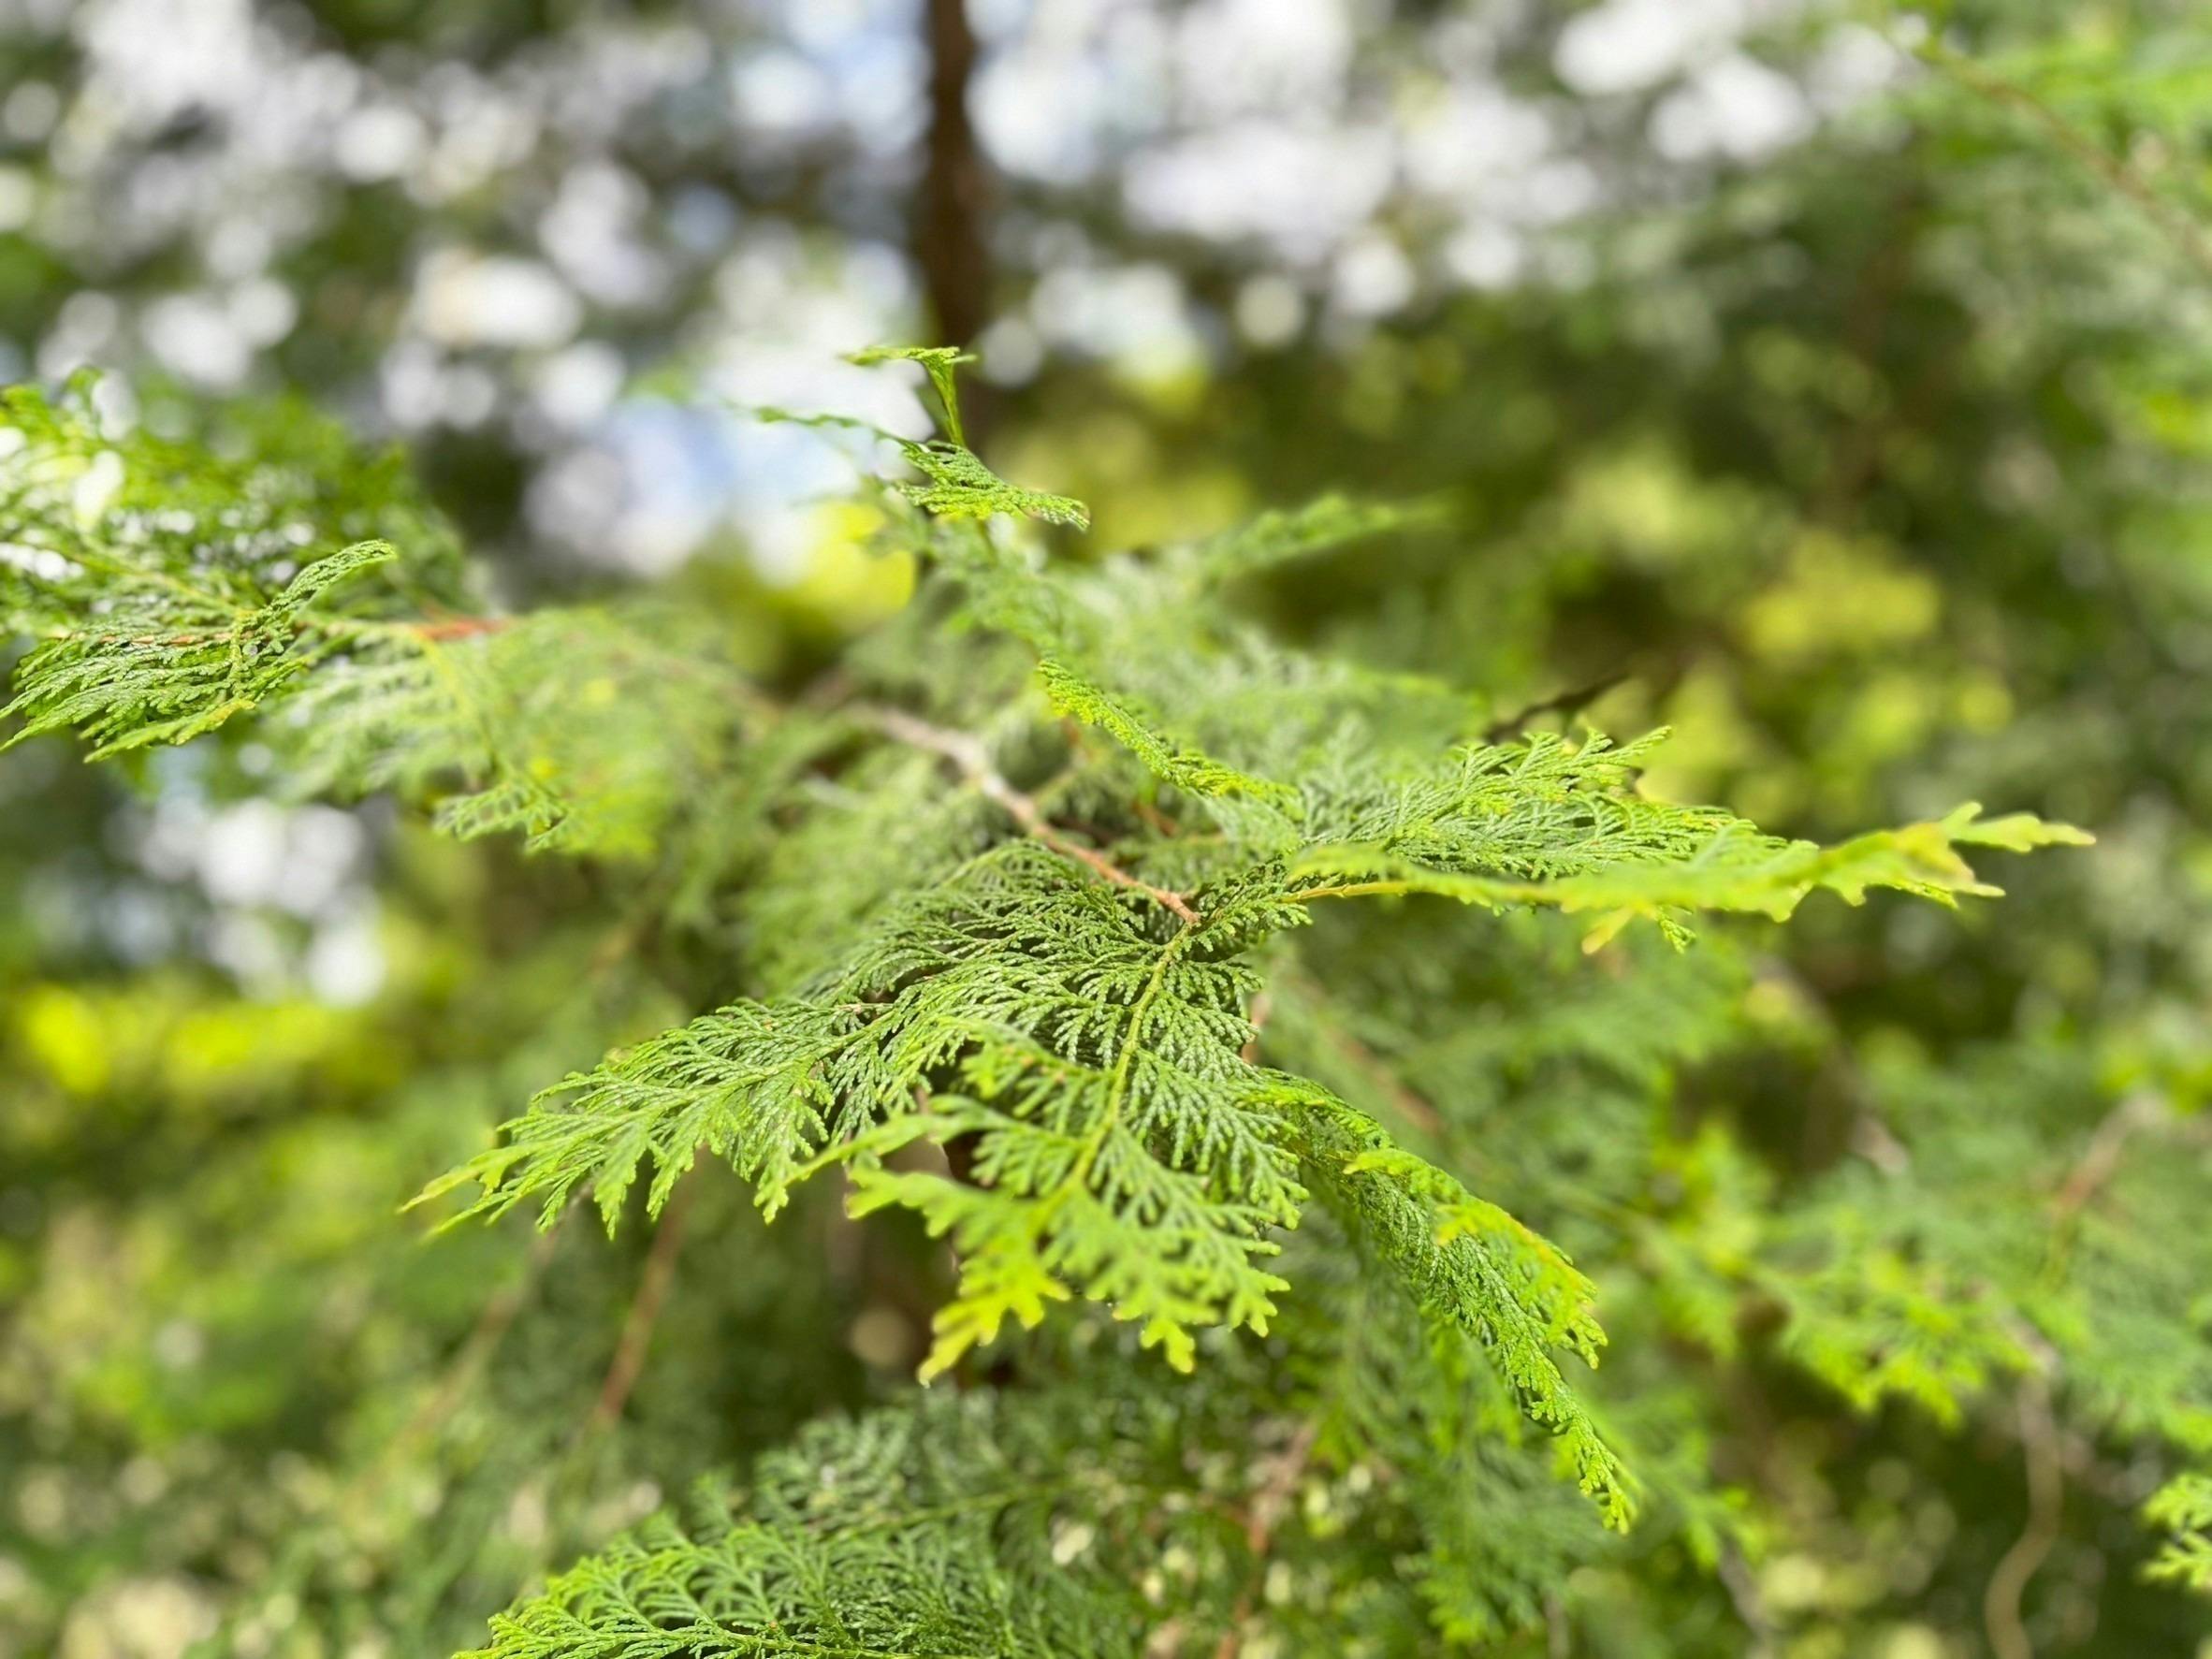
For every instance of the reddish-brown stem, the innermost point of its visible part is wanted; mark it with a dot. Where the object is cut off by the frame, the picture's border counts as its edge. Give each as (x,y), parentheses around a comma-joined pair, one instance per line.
(1736,1578)
(974,760)
(458,627)
(2100,1158)
(1156,821)
(1263,1005)
(645,1313)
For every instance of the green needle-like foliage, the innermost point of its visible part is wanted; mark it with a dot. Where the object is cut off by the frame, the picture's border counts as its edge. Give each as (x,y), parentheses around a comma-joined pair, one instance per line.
(169,592)
(1019,887)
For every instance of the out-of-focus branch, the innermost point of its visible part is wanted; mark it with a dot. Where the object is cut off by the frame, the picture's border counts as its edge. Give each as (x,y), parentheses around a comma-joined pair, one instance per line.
(1743,1586)
(645,1313)
(950,241)
(2099,1159)
(2042,1451)
(2124,181)
(498,1312)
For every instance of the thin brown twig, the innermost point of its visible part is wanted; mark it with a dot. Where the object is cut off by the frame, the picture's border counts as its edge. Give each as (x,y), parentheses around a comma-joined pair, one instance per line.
(2100,1158)
(645,1313)
(2099,1162)
(1262,1006)
(1566,704)
(967,752)
(1156,821)
(2175,224)
(2042,1452)
(1873,1140)
(1271,1502)
(459,627)
(1409,1105)
(493,1319)
(1735,1575)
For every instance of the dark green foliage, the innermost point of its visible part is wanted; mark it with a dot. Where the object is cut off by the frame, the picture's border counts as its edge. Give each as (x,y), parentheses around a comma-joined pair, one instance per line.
(959,1525)
(1044,1039)
(1873,465)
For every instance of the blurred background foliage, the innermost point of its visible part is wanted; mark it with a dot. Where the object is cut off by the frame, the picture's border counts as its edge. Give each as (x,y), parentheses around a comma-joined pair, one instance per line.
(1830,382)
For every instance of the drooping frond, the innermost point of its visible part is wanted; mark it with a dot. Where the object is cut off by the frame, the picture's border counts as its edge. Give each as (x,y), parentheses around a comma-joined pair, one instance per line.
(1324,523)
(168,589)
(164,661)
(1470,1264)
(1606,850)
(1121,1148)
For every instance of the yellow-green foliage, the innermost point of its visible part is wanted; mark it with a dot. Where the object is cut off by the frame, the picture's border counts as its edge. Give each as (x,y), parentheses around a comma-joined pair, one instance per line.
(1021,988)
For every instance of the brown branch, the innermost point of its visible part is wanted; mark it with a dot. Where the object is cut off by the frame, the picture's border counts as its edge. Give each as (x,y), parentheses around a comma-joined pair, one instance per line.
(426,630)
(1872,1140)
(1156,821)
(1868,1134)
(1263,1005)
(460,627)
(974,760)
(1409,1105)
(493,1320)
(2039,1445)
(2175,224)
(953,204)
(1736,1578)
(2100,1158)
(1566,704)
(645,1313)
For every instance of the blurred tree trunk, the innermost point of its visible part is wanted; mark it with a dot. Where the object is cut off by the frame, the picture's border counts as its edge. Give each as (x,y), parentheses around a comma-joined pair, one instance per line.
(951,220)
